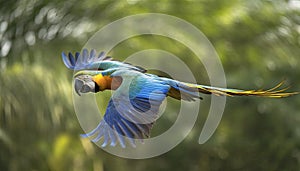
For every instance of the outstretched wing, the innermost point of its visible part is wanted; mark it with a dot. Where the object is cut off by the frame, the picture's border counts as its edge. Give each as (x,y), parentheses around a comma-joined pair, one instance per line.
(91,61)
(132,109)
(85,60)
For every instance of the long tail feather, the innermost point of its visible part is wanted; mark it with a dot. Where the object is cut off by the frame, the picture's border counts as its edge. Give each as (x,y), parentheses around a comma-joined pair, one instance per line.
(275,92)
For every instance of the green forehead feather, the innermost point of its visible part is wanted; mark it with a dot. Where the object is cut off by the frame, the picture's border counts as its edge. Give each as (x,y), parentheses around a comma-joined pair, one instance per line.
(87,72)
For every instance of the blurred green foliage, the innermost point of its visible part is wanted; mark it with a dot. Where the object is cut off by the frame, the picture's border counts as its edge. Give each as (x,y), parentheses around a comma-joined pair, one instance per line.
(258,43)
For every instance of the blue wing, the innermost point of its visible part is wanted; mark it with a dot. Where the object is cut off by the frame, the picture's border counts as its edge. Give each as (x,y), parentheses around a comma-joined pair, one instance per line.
(92,61)
(130,115)
(85,60)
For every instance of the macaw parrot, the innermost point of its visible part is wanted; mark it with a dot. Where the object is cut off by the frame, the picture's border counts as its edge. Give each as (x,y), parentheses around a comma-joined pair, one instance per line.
(134,106)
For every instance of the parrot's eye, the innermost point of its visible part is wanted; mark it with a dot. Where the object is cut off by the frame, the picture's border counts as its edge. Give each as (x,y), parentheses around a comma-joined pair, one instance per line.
(84,84)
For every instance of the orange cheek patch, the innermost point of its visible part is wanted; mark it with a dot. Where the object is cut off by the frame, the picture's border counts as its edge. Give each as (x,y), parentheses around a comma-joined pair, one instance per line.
(107,82)
(101,81)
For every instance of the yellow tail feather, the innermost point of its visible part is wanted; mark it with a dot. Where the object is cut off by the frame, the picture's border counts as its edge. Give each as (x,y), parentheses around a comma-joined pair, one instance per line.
(275,92)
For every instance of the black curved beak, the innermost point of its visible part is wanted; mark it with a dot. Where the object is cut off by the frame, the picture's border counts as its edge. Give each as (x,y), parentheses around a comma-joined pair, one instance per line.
(84,84)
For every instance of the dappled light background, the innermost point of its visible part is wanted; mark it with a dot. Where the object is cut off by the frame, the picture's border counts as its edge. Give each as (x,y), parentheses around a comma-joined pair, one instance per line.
(258,43)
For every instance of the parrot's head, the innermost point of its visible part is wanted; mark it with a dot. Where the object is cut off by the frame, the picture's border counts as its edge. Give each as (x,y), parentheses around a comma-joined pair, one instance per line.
(84,84)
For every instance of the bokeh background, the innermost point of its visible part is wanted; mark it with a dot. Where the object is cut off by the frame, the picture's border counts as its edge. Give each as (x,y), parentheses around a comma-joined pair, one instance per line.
(258,43)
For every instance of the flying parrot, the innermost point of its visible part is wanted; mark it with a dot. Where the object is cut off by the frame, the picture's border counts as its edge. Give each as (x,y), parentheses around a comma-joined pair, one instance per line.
(134,106)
